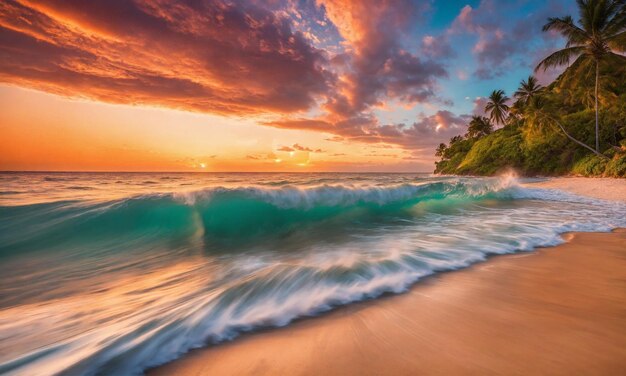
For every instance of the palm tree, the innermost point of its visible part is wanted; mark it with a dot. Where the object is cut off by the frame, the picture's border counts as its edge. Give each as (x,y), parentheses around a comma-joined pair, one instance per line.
(527,90)
(441,149)
(539,114)
(479,126)
(497,107)
(602,31)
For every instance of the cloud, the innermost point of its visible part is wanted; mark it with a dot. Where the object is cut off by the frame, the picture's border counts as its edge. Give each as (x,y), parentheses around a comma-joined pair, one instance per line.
(426,132)
(479,106)
(304,148)
(261,157)
(298,147)
(492,48)
(380,155)
(437,47)
(378,67)
(300,123)
(502,42)
(218,56)
(373,69)
(464,22)
(215,56)
(323,66)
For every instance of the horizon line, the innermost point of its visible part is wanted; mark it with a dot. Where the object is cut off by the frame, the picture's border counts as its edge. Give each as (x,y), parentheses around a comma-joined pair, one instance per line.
(217,172)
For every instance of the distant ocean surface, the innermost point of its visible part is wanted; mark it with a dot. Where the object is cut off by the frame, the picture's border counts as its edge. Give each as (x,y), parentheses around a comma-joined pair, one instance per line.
(113,273)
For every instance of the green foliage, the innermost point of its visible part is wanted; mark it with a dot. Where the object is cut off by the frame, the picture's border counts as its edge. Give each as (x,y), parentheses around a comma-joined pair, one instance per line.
(533,144)
(478,127)
(616,167)
(453,155)
(493,153)
(528,89)
(546,154)
(590,165)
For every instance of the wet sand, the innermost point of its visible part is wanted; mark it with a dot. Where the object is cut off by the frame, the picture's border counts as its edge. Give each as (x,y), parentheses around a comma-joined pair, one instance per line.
(559,311)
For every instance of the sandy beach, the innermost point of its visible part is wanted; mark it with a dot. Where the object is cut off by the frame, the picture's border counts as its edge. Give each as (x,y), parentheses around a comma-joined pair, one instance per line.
(604,188)
(558,310)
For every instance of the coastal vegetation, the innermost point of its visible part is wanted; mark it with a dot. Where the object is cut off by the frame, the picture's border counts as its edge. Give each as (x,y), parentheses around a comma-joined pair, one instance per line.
(575,125)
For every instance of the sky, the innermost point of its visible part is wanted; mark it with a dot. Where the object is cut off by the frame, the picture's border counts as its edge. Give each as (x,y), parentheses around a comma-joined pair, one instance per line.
(274,85)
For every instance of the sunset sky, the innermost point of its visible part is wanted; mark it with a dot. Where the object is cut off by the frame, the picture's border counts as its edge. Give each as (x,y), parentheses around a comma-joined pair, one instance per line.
(276,85)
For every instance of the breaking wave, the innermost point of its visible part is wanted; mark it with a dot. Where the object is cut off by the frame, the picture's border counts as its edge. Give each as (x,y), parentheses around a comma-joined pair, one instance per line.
(160,274)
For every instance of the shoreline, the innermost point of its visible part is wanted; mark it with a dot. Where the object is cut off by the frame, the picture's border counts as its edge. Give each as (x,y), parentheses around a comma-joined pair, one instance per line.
(557,310)
(603,188)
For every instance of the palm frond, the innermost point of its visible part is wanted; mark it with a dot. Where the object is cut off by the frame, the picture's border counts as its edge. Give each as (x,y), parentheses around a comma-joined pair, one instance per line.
(565,26)
(617,22)
(606,13)
(617,42)
(528,89)
(497,106)
(560,57)
(597,15)
(616,12)
(586,14)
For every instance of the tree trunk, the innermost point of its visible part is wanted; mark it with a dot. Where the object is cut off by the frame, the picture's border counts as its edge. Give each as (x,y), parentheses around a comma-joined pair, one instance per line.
(597,128)
(579,142)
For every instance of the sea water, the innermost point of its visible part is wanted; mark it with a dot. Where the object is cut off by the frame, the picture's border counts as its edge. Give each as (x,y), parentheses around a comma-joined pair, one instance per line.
(113,273)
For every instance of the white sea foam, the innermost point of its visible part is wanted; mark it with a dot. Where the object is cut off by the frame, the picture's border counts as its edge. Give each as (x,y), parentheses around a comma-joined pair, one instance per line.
(146,296)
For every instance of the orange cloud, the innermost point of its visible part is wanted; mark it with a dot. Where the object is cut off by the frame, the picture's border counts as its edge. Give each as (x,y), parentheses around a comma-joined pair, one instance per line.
(229,58)
(214,57)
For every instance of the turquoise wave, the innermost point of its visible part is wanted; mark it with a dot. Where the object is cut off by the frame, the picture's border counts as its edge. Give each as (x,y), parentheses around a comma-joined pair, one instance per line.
(224,216)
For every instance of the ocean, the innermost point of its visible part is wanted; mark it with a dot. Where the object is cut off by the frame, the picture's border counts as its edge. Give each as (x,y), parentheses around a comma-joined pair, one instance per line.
(114,273)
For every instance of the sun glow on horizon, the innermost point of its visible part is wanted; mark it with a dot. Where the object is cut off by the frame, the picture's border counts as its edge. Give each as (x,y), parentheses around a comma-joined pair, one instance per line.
(68,134)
